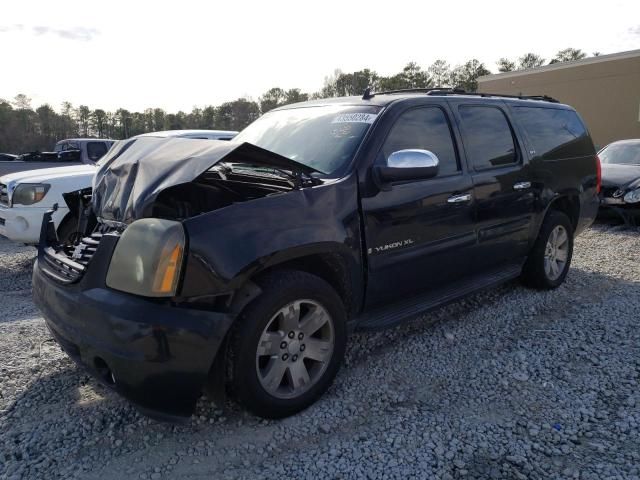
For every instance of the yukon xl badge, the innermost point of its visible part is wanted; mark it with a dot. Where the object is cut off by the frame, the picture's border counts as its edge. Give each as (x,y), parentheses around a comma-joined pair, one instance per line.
(391,246)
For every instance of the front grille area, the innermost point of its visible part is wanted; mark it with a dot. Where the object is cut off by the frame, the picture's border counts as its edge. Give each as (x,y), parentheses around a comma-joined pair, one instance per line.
(68,263)
(4,195)
(60,267)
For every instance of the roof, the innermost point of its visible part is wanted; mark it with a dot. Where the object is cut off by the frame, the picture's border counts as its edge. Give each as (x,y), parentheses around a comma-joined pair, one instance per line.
(383,99)
(563,65)
(630,141)
(378,100)
(176,133)
(85,140)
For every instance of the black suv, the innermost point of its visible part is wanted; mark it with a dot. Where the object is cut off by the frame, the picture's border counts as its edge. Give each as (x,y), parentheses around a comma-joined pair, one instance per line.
(246,263)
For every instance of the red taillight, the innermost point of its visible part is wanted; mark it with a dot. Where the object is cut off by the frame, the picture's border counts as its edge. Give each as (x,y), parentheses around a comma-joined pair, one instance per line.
(598,175)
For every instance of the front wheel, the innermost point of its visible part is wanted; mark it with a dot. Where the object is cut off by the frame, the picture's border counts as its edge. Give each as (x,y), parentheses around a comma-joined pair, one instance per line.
(549,260)
(288,344)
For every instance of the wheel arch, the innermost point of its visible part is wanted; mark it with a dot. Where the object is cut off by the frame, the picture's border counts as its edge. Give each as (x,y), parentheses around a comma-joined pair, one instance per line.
(334,268)
(569,204)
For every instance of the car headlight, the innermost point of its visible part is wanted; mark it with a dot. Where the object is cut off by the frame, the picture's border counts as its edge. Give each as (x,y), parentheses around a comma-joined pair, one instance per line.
(148,258)
(633,196)
(29,193)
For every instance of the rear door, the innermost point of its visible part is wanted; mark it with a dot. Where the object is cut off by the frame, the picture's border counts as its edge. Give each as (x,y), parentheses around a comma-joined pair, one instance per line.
(502,187)
(419,234)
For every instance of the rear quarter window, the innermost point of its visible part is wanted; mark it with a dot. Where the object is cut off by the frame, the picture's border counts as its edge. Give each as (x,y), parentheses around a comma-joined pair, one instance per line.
(554,133)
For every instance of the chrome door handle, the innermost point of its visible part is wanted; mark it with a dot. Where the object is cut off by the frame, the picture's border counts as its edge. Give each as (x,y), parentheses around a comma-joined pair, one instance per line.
(464,197)
(522,185)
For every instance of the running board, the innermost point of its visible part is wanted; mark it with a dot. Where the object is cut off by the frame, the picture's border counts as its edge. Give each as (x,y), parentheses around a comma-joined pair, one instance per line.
(390,315)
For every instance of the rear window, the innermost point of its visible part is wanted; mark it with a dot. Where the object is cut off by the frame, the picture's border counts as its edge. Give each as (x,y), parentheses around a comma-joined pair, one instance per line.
(554,133)
(95,150)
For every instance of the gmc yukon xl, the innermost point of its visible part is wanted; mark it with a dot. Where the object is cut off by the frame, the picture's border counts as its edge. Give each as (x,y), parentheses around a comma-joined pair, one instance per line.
(247,263)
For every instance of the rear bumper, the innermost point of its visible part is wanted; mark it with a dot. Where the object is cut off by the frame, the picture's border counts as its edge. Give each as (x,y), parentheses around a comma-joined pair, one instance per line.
(155,354)
(23,224)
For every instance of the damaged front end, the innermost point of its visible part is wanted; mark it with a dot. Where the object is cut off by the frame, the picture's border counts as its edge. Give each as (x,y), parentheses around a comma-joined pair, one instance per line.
(171,233)
(621,201)
(167,180)
(112,296)
(179,178)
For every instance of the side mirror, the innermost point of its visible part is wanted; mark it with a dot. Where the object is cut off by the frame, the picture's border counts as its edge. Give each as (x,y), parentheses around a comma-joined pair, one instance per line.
(412,164)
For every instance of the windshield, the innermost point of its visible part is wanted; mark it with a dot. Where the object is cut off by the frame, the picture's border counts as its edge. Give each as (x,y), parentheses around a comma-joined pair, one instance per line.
(621,153)
(323,137)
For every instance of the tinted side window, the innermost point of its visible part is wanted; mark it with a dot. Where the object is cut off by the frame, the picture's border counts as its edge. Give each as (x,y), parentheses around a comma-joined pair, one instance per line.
(95,150)
(487,137)
(554,133)
(426,129)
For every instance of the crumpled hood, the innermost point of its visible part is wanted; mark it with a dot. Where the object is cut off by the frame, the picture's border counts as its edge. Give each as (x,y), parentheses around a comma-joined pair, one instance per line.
(134,172)
(615,175)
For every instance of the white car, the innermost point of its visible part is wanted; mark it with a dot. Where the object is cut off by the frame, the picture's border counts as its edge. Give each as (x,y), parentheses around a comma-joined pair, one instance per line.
(26,196)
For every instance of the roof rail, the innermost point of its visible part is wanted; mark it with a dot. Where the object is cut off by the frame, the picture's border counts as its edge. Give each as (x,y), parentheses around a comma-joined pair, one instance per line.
(543,98)
(368,93)
(417,89)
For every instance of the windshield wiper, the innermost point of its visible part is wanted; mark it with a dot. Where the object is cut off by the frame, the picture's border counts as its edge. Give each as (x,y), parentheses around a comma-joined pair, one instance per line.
(295,178)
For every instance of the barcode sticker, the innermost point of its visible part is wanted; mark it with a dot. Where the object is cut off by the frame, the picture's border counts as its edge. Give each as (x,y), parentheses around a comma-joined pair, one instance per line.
(355,118)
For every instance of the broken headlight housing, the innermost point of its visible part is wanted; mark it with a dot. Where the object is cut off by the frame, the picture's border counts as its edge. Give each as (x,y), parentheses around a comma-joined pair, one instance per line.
(148,258)
(633,196)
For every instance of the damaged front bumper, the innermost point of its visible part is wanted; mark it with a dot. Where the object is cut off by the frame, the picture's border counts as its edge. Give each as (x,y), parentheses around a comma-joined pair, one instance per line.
(153,352)
(611,207)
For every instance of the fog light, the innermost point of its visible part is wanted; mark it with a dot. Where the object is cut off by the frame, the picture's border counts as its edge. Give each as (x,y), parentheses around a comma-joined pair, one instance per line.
(21,224)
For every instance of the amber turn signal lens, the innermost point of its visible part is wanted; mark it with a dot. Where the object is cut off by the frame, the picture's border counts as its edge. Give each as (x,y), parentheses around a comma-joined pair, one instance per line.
(166,276)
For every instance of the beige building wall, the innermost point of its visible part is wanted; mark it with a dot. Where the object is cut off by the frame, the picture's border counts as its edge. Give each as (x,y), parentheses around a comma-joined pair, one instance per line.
(605,91)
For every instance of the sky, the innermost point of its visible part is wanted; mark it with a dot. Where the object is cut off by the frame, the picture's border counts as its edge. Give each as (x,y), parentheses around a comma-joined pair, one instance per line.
(180,54)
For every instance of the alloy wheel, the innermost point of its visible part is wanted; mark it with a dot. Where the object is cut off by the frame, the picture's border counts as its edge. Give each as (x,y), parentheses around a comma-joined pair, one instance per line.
(295,349)
(556,253)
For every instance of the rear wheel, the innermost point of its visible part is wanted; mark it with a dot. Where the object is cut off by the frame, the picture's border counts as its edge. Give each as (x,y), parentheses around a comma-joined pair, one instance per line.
(288,344)
(548,263)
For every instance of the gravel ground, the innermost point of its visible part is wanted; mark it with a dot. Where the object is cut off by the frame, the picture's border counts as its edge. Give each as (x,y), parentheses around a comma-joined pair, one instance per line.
(508,384)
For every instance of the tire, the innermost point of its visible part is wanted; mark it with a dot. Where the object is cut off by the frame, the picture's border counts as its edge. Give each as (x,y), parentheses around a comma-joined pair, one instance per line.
(68,230)
(254,373)
(538,271)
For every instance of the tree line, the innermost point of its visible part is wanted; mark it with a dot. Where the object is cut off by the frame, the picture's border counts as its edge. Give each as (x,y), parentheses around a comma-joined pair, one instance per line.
(24,129)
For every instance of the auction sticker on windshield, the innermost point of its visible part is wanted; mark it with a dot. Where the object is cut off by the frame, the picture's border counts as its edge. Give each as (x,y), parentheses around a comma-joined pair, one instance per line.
(355,118)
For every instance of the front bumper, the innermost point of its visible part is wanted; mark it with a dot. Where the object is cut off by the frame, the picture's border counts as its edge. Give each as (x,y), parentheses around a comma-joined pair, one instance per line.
(22,224)
(155,354)
(617,208)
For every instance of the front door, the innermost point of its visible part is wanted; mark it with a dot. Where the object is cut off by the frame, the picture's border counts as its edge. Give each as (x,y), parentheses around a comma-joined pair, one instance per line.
(419,234)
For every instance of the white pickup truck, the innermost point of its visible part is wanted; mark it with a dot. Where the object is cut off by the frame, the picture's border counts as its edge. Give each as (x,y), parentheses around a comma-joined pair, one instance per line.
(26,196)
(67,152)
